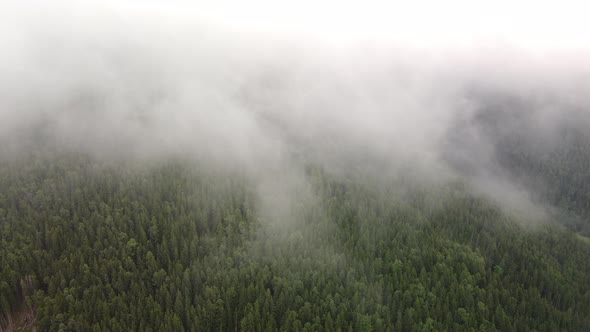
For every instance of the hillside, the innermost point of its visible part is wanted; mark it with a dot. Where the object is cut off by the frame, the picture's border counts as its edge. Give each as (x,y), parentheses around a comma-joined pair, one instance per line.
(169,246)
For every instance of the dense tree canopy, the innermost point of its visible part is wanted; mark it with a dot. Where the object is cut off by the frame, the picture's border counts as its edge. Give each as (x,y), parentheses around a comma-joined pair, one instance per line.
(88,245)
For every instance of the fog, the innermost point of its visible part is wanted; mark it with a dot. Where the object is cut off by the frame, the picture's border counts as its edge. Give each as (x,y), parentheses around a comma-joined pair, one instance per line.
(267,90)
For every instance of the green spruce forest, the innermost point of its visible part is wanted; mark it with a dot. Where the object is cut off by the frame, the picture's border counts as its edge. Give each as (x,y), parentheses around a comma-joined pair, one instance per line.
(91,245)
(246,166)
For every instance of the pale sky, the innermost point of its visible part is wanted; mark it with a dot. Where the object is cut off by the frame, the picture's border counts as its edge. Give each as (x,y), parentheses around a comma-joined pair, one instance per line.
(528,24)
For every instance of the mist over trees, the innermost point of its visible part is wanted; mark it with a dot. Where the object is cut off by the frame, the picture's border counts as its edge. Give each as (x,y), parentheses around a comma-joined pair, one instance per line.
(164,169)
(170,247)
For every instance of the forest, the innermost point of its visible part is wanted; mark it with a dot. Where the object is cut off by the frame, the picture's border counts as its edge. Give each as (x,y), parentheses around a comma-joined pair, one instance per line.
(294,166)
(89,245)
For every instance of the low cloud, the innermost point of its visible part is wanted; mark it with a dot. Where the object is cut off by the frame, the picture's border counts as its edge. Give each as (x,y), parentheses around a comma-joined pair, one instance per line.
(152,82)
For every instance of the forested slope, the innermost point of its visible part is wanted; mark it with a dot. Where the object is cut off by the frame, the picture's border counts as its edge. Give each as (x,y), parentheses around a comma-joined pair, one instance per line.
(548,155)
(89,245)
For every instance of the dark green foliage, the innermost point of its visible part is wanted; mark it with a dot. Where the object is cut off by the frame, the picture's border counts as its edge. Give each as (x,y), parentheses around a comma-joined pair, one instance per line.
(559,173)
(168,247)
